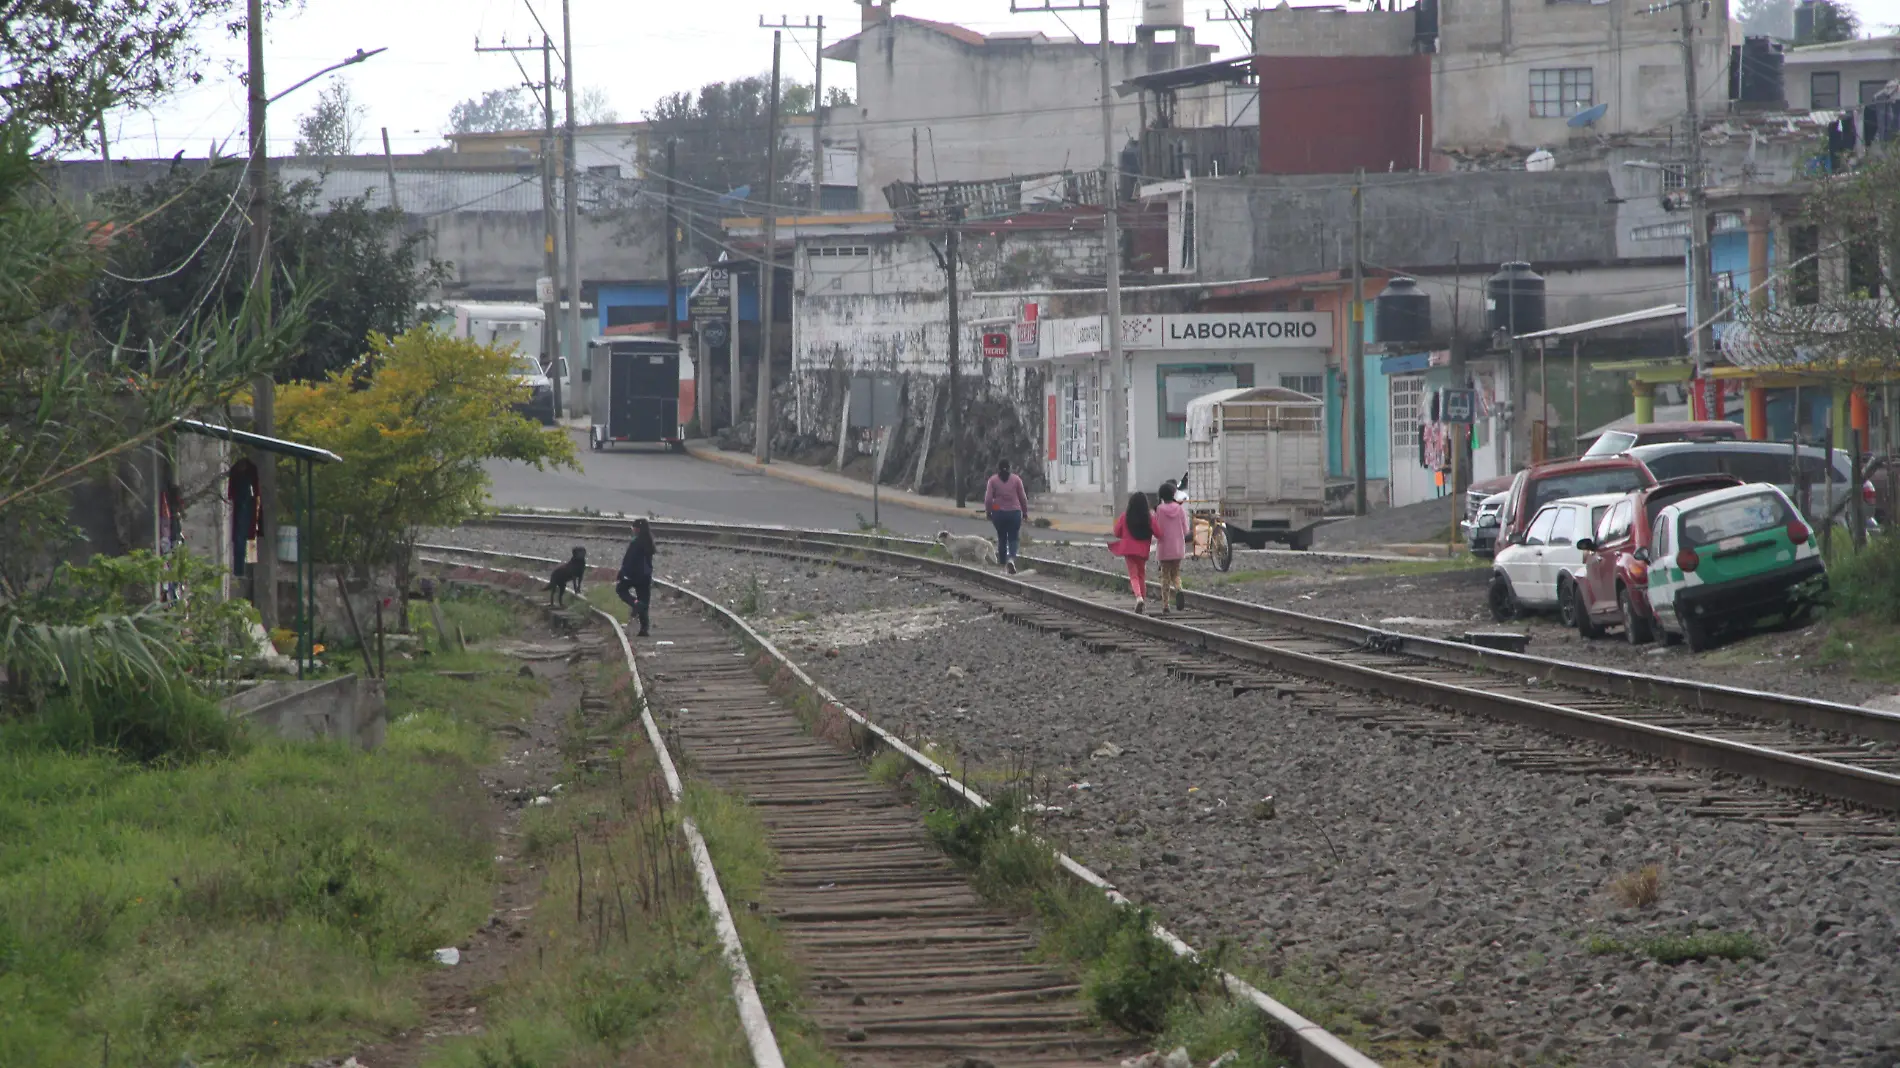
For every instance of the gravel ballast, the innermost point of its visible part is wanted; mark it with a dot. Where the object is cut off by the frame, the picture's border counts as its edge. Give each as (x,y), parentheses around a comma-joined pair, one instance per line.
(1453,899)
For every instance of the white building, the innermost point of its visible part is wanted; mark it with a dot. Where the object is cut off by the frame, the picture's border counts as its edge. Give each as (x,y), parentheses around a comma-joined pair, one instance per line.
(1843,74)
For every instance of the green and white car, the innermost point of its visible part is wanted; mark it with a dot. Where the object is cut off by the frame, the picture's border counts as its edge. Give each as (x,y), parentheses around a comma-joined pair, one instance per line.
(1726,560)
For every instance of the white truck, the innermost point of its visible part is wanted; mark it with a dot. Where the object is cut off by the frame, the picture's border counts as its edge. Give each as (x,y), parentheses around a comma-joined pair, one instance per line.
(1257,461)
(519,325)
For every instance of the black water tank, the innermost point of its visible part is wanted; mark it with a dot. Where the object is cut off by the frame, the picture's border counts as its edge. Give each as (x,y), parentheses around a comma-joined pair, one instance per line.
(1761,72)
(1514,300)
(1402,314)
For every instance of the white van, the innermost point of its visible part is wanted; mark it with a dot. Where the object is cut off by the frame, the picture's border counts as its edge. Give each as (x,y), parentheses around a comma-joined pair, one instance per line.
(519,326)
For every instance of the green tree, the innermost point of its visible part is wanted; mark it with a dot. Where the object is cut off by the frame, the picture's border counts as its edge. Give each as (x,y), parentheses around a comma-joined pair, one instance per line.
(415,421)
(495,111)
(334,126)
(720,141)
(1833,22)
(1766,18)
(593,108)
(361,269)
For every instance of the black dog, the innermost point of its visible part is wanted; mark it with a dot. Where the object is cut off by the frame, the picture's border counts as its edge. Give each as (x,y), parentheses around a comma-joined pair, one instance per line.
(568,574)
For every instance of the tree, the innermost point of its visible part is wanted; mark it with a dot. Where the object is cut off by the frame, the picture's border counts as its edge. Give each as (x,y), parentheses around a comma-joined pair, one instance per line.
(415,420)
(360,269)
(1767,18)
(63,63)
(495,111)
(838,96)
(334,126)
(593,108)
(721,140)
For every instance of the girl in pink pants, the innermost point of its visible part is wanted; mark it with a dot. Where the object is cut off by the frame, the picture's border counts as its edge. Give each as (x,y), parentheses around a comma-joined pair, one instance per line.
(1133,531)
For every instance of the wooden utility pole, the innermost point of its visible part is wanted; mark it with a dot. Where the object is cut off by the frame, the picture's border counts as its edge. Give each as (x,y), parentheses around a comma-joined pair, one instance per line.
(672,252)
(263,387)
(815,23)
(735,383)
(576,345)
(762,402)
(953,247)
(1356,344)
(1702,281)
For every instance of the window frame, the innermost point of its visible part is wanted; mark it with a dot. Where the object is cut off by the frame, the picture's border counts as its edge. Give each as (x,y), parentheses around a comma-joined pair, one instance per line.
(1814,90)
(1563,533)
(1623,511)
(1561,92)
(1549,511)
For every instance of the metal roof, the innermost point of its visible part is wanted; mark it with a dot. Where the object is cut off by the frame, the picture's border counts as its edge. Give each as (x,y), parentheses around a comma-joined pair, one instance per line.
(1235,71)
(259,441)
(1665,311)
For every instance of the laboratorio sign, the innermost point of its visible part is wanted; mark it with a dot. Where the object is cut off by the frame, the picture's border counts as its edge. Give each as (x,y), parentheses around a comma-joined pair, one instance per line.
(1195,331)
(1242,330)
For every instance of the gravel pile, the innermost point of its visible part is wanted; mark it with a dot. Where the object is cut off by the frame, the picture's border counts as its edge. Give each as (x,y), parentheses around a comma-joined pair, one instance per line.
(1460,900)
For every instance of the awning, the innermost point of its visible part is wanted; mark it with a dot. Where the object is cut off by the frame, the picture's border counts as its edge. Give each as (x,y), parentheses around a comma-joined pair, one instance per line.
(1666,311)
(259,441)
(1236,71)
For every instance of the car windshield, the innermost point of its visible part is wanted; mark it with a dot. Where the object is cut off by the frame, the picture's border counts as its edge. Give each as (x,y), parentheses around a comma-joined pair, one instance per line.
(1733,518)
(1587,484)
(1611,443)
(527,365)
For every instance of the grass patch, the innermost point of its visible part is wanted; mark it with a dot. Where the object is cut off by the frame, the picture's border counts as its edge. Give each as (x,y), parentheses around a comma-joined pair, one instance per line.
(1677,949)
(751,599)
(483,614)
(1638,889)
(1403,568)
(1867,648)
(888,767)
(1235,578)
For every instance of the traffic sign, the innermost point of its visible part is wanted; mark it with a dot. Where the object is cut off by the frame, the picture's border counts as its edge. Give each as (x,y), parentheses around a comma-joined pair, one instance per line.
(1459,404)
(711,298)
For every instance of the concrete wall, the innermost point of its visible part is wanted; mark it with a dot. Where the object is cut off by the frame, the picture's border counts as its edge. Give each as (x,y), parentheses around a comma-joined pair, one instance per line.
(1331,31)
(1004,106)
(1876,61)
(350,709)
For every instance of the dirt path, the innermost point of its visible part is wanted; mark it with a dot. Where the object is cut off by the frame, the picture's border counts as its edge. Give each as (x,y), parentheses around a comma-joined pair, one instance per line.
(528,765)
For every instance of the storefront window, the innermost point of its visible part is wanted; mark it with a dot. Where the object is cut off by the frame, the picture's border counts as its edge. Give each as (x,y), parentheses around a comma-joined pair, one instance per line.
(1178,383)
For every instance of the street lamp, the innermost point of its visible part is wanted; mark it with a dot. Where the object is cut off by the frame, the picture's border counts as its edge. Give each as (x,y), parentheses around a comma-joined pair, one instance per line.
(264,388)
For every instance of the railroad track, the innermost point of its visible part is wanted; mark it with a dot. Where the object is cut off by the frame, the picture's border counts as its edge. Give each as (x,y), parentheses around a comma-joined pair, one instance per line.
(1820,751)
(907,966)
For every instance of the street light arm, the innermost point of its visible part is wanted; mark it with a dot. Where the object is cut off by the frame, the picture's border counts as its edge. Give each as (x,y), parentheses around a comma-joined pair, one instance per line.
(359,57)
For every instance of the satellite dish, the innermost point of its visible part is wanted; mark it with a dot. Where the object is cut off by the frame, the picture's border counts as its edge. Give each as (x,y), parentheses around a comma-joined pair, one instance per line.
(1589,116)
(1540,160)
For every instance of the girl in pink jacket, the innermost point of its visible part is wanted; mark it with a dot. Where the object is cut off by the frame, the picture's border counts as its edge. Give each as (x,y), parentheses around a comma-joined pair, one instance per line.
(1171,529)
(1133,531)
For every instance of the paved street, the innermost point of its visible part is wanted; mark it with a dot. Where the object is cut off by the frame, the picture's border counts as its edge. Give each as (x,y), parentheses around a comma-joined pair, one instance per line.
(638,480)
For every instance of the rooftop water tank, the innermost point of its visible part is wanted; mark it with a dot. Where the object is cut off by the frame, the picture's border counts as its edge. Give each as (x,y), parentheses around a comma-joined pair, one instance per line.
(1402,314)
(1514,300)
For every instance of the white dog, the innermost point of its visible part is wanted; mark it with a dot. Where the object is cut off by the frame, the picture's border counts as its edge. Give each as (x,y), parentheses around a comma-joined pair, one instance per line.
(967,547)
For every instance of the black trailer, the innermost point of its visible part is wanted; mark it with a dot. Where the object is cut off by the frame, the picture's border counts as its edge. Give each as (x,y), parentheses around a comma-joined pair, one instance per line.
(634,392)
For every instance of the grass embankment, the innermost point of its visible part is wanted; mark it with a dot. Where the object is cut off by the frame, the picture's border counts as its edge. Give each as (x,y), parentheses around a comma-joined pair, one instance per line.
(254,902)
(1863,611)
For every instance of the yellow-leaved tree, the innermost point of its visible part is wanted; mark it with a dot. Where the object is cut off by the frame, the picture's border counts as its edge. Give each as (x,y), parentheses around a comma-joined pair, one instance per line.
(414,422)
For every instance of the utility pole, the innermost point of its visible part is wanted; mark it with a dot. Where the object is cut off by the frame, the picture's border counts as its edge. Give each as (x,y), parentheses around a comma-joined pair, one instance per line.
(762,401)
(735,385)
(551,263)
(1702,316)
(817,99)
(1356,344)
(576,347)
(672,253)
(263,387)
(1461,462)
(953,248)
(389,171)
(1119,424)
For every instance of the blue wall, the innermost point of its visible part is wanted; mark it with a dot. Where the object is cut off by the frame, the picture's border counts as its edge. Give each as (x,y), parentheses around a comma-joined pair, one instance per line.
(651,298)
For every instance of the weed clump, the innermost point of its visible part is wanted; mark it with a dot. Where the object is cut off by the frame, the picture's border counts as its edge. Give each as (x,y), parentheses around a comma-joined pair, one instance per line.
(1138,981)
(1678,949)
(1638,889)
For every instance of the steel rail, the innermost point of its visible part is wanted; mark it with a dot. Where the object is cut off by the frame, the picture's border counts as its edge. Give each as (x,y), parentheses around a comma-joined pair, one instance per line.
(1825,778)
(1708,697)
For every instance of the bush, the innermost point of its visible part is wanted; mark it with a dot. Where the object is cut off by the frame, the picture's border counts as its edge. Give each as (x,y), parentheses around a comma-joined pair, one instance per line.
(147,725)
(1138,980)
(1866,582)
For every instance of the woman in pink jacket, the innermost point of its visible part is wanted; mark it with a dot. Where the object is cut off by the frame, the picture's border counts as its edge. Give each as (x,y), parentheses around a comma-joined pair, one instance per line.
(1133,531)
(1171,529)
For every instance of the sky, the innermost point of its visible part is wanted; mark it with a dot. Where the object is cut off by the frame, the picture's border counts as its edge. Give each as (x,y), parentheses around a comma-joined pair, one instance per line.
(635,52)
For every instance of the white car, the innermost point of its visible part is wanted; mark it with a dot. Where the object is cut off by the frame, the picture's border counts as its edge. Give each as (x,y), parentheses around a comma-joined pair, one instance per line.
(1536,573)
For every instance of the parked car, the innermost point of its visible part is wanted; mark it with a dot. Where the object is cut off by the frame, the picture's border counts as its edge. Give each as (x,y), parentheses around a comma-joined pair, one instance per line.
(1762,461)
(1621,440)
(1536,572)
(1481,530)
(1613,587)
(1538,486)
(1726,560)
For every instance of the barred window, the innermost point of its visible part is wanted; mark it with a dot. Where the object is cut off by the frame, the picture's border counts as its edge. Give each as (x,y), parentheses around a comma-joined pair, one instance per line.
(1562,92)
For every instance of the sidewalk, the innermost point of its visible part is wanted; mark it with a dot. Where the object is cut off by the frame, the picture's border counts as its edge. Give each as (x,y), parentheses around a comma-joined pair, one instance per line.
(817,478)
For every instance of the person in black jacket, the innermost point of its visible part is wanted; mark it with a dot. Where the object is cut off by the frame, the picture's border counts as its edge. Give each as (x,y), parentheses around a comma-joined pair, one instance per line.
(636,574)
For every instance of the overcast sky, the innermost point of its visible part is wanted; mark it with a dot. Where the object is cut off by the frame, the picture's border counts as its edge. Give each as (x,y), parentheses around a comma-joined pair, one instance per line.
(634,51)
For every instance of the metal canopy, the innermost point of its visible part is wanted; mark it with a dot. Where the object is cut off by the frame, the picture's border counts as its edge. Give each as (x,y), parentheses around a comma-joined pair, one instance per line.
(259,441)
(1665,311)
(1236,71)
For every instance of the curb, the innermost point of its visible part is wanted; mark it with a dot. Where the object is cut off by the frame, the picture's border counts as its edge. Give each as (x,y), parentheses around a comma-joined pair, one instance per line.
(792,473)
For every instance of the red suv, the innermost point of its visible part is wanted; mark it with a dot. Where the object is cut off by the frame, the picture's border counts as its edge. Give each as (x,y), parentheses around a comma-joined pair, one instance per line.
(1538,486)
(1614,585)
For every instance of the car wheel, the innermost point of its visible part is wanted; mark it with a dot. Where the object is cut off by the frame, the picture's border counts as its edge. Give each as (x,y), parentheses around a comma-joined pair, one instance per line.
(1586,627)
(1567,602)
(1695,633)
(1502,598)
(1636,629)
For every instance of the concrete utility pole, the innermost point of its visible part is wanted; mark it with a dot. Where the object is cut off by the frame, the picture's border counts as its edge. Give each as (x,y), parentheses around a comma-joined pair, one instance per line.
(1119,423)
(762,402)
(576,346)
(735,385)
(672,253)
(551,263)
(263,387)
(1356,344)
(1702,316)
(389,171)
(953,248)
(816,23)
